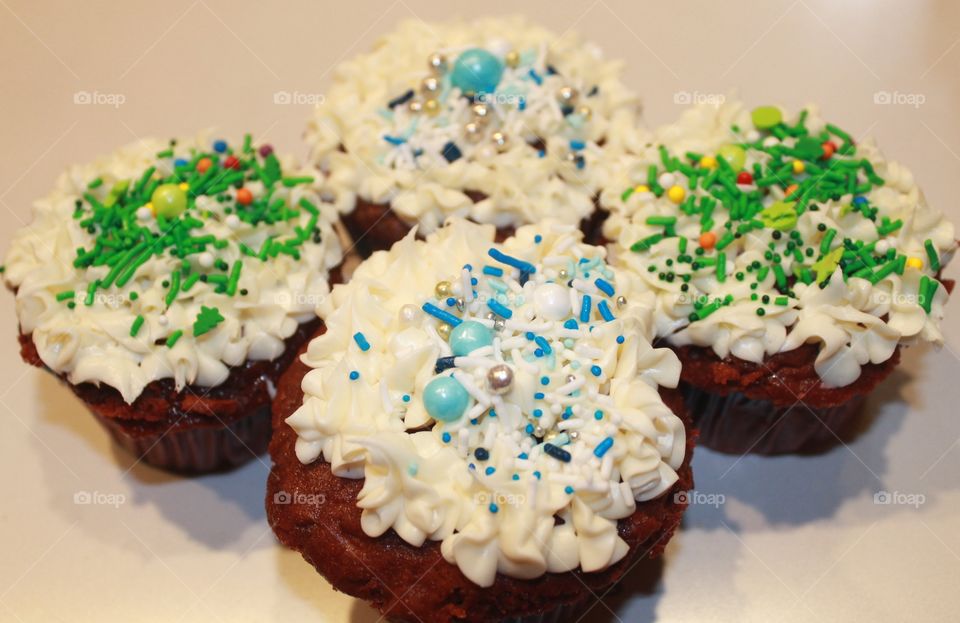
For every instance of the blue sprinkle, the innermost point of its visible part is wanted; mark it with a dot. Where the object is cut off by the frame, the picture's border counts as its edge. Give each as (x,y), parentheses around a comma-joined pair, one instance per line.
(603,447)
(604,286)
(394,140)
(538,239)
(538,352)
(605,311)
(406,397)
(497,308)
(436,312)
(523,104)
(490,470)
(446,437)
(482,454)
(620,339)
(535,77)
(219,146)
(585,309)
(524,277)
(451,152)
(537,412)
(536,475)
(180,162)
(503,258)
(577,145)
(581,163)
(516,476)
(542,153)
(529,429)
(598,414)
(524,456)
(473,281)
(567,413)
(402,99)
(596,370)
(472,467)
(494,508)
(494,271)
(451,301)
(538,396)
(354,375)
(468,266)
(529,335)
(859,200)
(493,413)
(361,341)
(571,324)
(557,452)
(543,343)
(444,363)
(568,490)
(544,380)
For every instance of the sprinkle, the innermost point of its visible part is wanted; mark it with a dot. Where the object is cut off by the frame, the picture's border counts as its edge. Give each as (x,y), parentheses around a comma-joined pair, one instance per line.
(605,311)
(932,255)
(361,341)
(499,309)
(444,363)
(556,452)
(544,380)
(604,286)
(568,489)
(493,271)
(65,295)
(596,370)
(494,508)
(598,415)
(394,140)
(620,339)
(482,454)
(446,437)
(401,99)
(503,258)
(354,375)
(137,324)
(440,314)
(603,447)
(174,338)
(451,152)
(585,309)
(207,320)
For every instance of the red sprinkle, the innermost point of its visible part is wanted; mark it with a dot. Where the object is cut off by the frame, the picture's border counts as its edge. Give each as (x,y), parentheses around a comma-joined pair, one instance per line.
(231,162)
(744,177)
(829,148)
(204,164)
(265,150)
(244,196)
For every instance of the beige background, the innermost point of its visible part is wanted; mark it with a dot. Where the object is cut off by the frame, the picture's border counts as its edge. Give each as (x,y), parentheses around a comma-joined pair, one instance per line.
(788,539)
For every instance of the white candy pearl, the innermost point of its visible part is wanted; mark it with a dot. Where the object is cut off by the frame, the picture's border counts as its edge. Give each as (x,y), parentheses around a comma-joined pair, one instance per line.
(205,259)
(882,247)
(233,221)
(666,180)
(752,135)
(770,141)
(408,314)
(552,301)
(144,214)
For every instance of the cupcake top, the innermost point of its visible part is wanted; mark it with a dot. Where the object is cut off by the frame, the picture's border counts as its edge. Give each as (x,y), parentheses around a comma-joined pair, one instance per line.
(484,391)
(760,232)
(171,260)
(497,120)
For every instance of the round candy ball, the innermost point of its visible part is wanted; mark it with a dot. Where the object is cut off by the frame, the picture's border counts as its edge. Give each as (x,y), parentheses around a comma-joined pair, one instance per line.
(468,336)
(169,200)
(476,71)
(552,301)
(735,156)
(445,399)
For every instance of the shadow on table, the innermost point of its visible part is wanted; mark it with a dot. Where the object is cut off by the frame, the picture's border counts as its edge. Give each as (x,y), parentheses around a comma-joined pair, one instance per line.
(215,510)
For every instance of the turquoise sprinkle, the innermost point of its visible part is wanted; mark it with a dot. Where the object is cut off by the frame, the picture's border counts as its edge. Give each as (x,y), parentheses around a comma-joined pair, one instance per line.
(354,375)
(361,341)
(493,271)
(603,447)
(569,490)
(598,414)
(585,309)
(494,508)
(490,470)
(446,437)
(605,311)
(595,370)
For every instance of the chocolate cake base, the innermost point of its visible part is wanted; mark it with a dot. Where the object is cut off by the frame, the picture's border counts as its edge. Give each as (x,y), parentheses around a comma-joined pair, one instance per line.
(197,429)
(777,407)
(416,584)
(376,227)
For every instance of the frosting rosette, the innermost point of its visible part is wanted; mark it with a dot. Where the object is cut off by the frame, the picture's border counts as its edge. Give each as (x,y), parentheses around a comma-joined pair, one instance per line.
(172,260)
(759,233)
(497,120)
(499,398)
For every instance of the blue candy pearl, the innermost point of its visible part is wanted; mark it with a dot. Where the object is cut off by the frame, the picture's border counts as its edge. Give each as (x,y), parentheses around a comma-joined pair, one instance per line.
(445,399)
(219,146)
(476,71)
(468,336)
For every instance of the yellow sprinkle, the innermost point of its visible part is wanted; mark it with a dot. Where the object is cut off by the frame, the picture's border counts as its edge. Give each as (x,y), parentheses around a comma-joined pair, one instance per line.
(708,162)
(641,188)
(798,166)
(184,186)
(676,194)
(915,262)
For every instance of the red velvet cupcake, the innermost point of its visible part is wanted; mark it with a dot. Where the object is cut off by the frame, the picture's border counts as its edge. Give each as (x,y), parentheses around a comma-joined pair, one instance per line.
(482,432)
(789,264)
(169,285)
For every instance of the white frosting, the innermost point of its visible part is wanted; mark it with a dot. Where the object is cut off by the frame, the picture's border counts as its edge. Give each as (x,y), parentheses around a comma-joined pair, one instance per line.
(93,343)
(348,129)
(855,322)
(426,486)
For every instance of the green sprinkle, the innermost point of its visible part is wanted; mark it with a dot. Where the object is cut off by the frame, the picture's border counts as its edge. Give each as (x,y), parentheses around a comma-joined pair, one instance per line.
(782,301)
(234,278)
(207,320)
(174,337)
(646,243)
(97,183)
(827,241)
(932,255)
(721,267)
(137,324)
(174,289)
(65,295)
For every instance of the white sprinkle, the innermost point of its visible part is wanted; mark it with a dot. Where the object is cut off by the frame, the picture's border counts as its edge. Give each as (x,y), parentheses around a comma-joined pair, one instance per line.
(233,221)
(666,179)
(385,397)
(467,381)
(205,259)
(144,214)
(467,286)
(585,286)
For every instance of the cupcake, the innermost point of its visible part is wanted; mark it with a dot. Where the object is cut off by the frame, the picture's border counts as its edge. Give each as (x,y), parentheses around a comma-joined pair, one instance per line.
(790,265)
(168,285)
(497,120)
(481,431)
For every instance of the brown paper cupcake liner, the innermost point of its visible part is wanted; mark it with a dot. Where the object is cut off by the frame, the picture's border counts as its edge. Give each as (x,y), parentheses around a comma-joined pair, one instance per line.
(736,424)
(197,450)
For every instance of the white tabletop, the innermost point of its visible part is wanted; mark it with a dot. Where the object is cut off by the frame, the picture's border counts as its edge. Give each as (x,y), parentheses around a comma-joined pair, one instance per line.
(789,539)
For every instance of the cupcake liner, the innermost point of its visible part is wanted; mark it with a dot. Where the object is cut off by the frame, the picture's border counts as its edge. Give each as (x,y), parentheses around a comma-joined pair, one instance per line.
(736,424)
(561,614)
(198,449)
